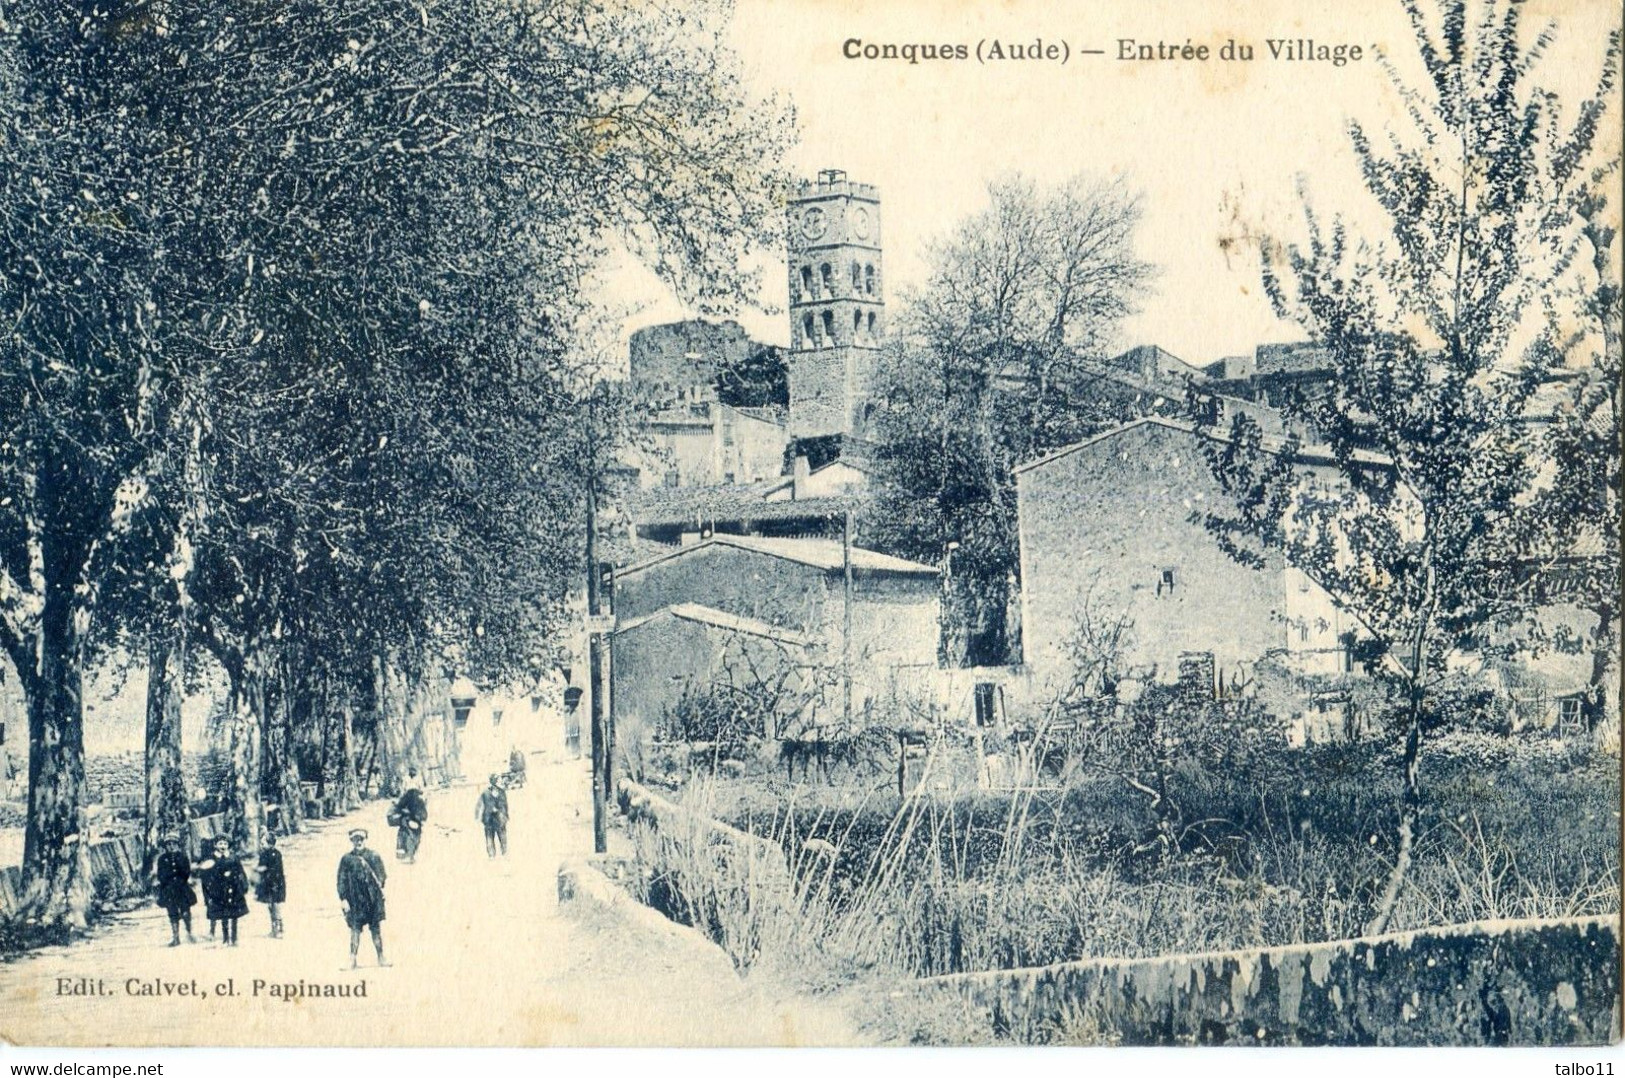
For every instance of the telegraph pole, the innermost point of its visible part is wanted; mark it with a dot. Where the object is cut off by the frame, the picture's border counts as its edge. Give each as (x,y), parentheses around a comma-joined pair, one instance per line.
(846,636)
(601,762)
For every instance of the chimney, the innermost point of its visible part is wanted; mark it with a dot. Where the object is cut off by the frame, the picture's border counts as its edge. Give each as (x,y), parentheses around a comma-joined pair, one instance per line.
(799,473)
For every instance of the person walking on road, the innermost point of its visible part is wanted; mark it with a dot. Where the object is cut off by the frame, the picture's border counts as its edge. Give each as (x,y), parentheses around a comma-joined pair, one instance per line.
(174,878)
(361,893)
(410,813)
(225,890)
(272,888)
(492,811)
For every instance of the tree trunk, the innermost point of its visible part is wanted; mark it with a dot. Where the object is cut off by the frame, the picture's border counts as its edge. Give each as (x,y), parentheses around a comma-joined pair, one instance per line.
(393,738)
(1410,806)
(282,782)
(245,814)
(349,780)
(1594,706)
(56,863)
(166,804)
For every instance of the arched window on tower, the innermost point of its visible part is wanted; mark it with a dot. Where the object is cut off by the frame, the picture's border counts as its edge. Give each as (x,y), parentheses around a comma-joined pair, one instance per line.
(806,282)
(807,330)
(869,279)
(829,327)
(857,324)
(857,278)
(829,280)
(871,323)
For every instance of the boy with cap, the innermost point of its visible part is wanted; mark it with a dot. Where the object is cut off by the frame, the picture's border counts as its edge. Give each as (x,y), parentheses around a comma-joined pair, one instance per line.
(361,893)
(174,879)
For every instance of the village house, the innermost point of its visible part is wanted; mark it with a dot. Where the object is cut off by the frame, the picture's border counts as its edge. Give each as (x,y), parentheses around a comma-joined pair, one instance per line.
(1111,529)
(763,585)
(808,503)
(697,652)
(695,440)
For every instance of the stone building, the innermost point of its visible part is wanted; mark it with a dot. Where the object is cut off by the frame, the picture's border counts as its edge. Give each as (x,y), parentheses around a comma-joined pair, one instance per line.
(837,303)
(796,584)
(666,359)
(1111,529)
(694,440)
(696,651)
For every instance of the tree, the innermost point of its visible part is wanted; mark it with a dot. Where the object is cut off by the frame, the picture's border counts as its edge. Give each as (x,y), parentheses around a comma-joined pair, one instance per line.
(1575,520)
(1440,333)
(288,284)
(998,359)
(81,383)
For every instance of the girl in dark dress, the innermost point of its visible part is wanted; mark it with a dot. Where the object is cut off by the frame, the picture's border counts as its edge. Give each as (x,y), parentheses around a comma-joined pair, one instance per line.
(174,878)
(225,890)
(272,888)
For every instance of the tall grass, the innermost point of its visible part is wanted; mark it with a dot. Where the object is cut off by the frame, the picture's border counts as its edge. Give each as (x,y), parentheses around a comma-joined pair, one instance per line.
(854,883)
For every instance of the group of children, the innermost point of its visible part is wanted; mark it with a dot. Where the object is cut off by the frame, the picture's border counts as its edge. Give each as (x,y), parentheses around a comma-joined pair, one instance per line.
(225,888)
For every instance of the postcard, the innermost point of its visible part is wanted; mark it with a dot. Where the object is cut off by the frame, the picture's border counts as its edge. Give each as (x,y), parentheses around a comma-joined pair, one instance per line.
(802,523)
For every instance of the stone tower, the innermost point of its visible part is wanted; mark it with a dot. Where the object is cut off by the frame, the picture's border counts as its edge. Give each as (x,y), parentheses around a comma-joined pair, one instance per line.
(837,311)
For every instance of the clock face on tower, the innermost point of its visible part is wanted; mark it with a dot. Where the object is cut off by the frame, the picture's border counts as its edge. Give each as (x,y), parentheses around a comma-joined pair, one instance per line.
(814,223)
(860,223)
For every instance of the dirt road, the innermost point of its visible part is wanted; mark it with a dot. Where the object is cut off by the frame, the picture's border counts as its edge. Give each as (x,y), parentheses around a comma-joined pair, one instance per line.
(480,953)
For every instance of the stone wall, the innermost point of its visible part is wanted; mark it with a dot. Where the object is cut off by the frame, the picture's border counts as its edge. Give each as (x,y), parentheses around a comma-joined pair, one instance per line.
(115,872)
(658,356)
(1494,983)
(641,805)
(115,866)
(1115,527)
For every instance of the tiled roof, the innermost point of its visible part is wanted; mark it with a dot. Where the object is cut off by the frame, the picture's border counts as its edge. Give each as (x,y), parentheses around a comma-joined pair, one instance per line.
(689,505)
(1305,454)
(825,554)
(721,619)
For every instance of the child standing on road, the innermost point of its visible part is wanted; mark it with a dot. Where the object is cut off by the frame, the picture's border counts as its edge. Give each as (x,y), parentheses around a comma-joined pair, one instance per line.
(272,888)
(225,890)
(174,879)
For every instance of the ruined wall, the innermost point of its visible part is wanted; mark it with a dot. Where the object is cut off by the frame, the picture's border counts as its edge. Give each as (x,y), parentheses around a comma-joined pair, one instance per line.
(1505,982)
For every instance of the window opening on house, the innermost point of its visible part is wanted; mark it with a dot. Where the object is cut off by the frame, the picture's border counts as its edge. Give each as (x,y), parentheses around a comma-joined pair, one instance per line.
(986,703)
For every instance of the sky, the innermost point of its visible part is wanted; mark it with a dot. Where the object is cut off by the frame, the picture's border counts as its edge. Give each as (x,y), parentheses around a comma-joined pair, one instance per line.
(1218,149)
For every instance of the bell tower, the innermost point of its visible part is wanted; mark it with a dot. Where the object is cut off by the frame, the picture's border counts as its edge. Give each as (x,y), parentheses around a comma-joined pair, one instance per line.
(837,306)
